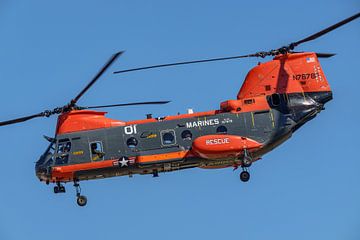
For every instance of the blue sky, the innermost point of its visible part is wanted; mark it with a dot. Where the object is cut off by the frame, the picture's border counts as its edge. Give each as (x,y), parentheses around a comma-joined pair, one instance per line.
(308,188)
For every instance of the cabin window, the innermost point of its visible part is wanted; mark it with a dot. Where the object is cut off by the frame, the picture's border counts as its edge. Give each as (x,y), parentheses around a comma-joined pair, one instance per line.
(97,151)
(275,99)
(62,152)
(186,135)
(132,142)
(168,137)
(221,129)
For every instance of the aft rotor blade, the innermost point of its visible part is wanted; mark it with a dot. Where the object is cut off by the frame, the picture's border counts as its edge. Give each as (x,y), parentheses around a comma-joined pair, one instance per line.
(187,62)
(282,50)
(325,55)
(320,55)
(326,30)
(22,119)
(97,76)
(125,104)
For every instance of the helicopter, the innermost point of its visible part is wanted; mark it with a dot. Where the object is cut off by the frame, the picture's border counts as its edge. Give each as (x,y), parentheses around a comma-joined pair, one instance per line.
(276,98)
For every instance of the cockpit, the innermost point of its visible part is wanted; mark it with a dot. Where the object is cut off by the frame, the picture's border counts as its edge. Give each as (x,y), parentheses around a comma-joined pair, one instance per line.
(62,152)
(43,165)
(55,154)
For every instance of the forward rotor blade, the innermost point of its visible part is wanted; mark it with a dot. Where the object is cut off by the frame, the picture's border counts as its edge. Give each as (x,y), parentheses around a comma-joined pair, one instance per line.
(97,76)
(326,30)
(187,62)
(125,104)
(22,119)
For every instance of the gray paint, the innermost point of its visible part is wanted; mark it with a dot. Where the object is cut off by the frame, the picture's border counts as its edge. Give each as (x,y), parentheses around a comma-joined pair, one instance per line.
(270,128)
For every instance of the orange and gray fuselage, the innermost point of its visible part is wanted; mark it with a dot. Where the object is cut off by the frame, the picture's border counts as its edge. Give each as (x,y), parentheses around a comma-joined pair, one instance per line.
(277,97)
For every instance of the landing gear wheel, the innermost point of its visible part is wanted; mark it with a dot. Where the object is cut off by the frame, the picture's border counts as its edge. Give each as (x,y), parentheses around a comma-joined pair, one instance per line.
(81,201)
(59,188)
(244,176)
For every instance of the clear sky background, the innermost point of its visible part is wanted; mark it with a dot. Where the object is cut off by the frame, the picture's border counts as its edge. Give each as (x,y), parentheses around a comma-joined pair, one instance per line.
(308,188)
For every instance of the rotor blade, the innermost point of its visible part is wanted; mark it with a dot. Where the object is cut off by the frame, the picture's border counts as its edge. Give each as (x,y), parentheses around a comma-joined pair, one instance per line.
(187,62)
(22,119)
(326,30)
(319,55)
(97,76)
(282,50)
(126,104)
(325,55)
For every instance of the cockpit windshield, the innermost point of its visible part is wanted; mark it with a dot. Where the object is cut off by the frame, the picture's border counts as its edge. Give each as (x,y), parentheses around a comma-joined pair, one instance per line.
(45,162)
(62,151)
(47,157)
(51,149)
(56,153)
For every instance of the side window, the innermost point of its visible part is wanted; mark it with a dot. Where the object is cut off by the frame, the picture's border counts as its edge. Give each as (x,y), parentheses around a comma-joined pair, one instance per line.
(186,135)
(275,99)
(168,137)
(132,142)
(62,151)
(96,151)
(221,129)
(249,101)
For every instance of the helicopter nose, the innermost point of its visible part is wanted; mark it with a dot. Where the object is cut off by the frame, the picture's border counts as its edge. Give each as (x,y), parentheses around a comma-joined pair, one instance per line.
(41,170)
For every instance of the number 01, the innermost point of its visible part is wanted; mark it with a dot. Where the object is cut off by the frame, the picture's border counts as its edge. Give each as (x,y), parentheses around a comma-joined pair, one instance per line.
(130,129)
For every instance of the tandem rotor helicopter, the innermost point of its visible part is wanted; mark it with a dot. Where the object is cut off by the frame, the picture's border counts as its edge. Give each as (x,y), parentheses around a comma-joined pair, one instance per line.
(276,99)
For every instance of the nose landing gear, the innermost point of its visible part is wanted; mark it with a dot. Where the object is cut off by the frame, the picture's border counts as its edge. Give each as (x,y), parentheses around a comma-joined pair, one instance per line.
(80,199)
(59,188)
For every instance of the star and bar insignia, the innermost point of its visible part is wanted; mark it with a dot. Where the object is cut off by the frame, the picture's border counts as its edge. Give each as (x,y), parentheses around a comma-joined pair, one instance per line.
(124,161)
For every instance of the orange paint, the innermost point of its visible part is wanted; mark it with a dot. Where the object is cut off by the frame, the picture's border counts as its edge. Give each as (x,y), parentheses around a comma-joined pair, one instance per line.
(163,156)
(66,173)
(83,120)
(258,103)
(289,73)
(222,146)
